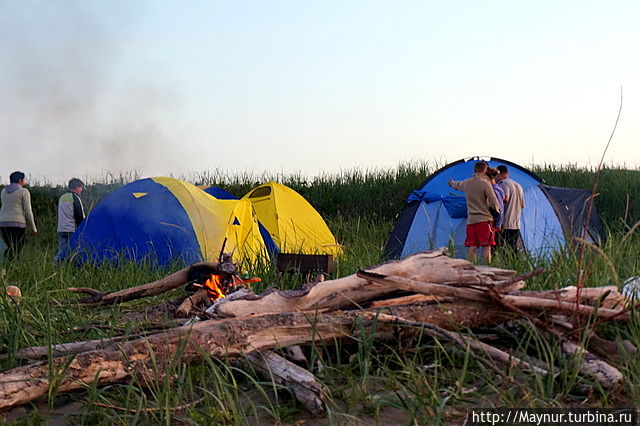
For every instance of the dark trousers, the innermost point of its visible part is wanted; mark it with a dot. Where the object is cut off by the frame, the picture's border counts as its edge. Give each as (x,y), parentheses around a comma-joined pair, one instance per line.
(508,238)
(14,239)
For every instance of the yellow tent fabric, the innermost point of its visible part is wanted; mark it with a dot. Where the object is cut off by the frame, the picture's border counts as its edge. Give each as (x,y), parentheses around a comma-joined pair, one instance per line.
(294,225)
(213,220)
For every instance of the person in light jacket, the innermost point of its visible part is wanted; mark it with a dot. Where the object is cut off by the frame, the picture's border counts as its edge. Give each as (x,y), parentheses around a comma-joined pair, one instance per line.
(70,214)
(482,211)
(15,214)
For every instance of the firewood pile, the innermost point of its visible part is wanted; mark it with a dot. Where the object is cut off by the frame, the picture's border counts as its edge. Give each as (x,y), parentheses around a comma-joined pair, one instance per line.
(428,293)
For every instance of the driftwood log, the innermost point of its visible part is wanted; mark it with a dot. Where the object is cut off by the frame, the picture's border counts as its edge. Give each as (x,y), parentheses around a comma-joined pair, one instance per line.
(465,342)
(549,301)
(147,357)
(592,366)
(304,385)
(352,291)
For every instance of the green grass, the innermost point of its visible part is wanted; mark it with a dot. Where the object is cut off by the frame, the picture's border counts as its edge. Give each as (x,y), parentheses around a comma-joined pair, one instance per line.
(421,383)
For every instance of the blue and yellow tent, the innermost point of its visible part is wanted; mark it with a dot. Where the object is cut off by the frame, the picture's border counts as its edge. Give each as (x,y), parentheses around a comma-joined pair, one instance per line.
(164,219)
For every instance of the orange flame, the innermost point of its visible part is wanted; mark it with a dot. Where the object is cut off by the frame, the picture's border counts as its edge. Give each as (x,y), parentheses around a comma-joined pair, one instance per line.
(213,286)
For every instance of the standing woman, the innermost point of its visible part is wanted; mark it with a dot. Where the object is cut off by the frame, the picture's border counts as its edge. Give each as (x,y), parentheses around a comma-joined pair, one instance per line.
(15,213)
(492,174)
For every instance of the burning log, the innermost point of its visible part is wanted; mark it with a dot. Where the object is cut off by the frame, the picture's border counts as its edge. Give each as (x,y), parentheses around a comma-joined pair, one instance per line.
(160,286)
(199,297)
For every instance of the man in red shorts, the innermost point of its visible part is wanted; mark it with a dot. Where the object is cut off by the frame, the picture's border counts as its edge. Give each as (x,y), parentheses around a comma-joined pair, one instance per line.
(482,208)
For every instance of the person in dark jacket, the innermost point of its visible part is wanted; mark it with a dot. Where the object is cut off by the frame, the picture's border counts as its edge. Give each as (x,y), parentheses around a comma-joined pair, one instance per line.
(70,214)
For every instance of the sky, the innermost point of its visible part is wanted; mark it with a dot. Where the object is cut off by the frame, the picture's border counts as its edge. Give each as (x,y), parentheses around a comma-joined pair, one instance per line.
(156,87)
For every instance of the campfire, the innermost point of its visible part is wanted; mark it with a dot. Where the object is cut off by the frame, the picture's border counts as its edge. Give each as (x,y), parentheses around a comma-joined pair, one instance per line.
(214,287)
(218,286)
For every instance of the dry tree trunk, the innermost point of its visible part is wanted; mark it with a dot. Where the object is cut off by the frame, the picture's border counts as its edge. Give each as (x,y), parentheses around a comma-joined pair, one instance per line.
(465,342)
(305,387)
(608,296)
(434,266)
(62,349)
(148,357)
(592,366)
(520,301)
(426,288)
(199,297)
(407,300)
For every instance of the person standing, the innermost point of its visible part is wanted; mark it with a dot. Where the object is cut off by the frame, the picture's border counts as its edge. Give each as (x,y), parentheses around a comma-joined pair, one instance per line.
(497,189)
(15,214)
(482,209)
(70,214)
(513,205)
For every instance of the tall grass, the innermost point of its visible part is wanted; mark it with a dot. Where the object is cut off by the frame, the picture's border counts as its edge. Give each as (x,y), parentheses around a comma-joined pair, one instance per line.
(379,194)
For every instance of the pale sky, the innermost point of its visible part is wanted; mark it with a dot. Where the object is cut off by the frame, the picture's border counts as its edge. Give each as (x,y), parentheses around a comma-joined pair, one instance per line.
(179,87)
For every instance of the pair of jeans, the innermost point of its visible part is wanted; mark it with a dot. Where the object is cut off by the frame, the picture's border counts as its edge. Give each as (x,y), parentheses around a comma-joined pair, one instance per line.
(14,239)
(64,249)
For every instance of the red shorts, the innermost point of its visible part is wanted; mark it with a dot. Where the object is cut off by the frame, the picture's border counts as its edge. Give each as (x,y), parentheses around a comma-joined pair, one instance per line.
(480,234)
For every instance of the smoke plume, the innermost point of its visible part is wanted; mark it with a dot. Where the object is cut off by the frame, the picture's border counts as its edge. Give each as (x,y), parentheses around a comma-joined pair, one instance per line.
(65,106)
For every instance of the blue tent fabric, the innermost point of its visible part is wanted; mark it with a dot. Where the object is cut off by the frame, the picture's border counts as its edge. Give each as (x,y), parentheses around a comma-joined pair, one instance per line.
(455,204)
(141,220)
(541,230)
(220,193)
(435,214)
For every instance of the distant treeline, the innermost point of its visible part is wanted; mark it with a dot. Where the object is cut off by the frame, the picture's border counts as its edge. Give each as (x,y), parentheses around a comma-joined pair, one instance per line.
(379,195)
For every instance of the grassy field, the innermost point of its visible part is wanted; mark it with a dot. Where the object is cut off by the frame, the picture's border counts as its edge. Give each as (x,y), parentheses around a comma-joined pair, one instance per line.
(425,383)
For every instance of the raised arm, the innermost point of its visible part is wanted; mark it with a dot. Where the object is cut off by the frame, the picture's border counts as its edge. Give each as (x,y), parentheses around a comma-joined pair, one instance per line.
(456,184)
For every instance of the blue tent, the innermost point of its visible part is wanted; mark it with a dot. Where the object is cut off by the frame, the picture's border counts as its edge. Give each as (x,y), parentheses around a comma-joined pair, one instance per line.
(436,214)
(166,220)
